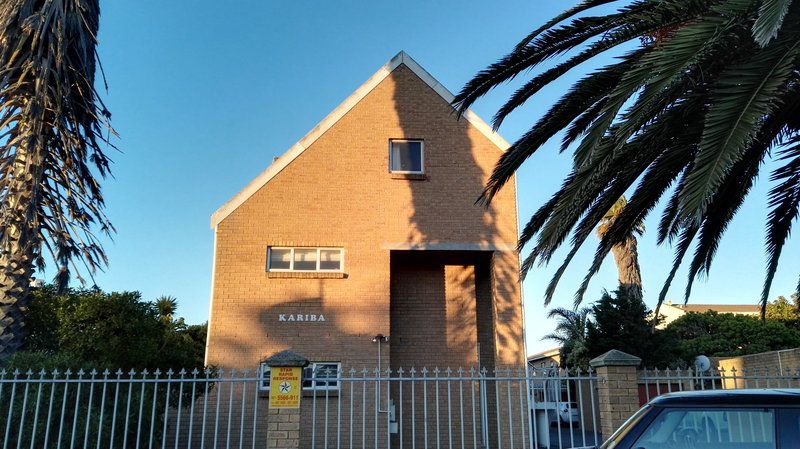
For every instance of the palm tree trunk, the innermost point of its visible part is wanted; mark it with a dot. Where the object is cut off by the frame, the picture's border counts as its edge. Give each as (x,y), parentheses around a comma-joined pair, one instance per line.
(18,249)
(15,275)
(626,257)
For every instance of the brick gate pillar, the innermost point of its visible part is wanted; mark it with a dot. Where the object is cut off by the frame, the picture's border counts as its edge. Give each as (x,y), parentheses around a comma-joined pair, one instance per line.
(283,420)
(617,390)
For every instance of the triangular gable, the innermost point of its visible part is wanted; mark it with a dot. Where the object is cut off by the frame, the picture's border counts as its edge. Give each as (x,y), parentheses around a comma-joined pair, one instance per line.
(292,153)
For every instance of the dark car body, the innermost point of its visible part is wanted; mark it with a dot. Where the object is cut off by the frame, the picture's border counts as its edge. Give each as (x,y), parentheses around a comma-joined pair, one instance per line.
(719,419)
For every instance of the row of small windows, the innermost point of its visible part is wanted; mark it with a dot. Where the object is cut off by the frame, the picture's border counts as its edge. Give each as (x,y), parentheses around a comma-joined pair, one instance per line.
(316,376)
(305,259)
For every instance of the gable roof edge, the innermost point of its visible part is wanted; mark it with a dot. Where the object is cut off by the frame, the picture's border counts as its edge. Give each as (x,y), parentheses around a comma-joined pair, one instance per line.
(402,58)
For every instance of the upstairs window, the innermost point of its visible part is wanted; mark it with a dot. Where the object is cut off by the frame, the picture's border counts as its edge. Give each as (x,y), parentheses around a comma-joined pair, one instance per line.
(406,156)
(304,259)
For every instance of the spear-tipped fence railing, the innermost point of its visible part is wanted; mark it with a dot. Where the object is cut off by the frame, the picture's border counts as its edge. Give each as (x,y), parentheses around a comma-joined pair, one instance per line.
(413,408)
(655,382)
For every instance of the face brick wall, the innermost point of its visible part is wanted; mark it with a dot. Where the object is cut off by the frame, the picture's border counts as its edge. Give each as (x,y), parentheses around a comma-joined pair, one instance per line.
(433,310)
(741,372)
(339,193)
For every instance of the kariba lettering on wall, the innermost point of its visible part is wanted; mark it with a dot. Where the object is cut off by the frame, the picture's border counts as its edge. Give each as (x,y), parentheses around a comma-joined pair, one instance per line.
(301,318)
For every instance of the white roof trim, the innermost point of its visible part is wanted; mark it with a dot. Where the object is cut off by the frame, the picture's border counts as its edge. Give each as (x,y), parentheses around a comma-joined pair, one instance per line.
(286,158)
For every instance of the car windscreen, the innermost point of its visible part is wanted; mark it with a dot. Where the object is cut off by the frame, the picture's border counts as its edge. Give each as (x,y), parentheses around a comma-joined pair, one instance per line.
(710,428)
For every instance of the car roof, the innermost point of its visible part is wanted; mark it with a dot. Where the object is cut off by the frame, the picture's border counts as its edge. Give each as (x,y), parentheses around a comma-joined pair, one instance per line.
(745,397)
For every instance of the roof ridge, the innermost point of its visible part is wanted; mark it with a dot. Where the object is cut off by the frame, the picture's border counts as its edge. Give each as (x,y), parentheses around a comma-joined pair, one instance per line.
(401,58)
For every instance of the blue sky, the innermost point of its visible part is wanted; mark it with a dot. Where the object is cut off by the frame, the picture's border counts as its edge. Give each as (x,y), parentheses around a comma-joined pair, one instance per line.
(205,93)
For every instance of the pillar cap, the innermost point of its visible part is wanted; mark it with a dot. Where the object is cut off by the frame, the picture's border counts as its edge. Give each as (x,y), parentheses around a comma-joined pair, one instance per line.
(286,358)
(615,358)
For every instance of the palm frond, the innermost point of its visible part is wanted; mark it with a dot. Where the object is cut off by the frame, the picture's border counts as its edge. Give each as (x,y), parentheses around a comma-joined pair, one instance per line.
(769,21)
(696,110)
(588,90)
(552,43)
(684,243)
(643,150)
(56,129)
(726,203)
(784,203)
(742,96)
(610,40)
(575,10)
(581,124)
(699,49)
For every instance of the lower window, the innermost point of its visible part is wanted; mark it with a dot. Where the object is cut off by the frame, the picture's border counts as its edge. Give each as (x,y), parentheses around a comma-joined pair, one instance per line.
(316,376)
(321,376)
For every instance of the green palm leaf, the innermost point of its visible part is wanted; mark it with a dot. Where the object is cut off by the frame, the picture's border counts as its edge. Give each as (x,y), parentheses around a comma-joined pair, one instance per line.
(552,43)
(638,21)
(577,9)
(784,202)
(684,242)
(743,95)
(769,21)
(698,49)
(697,108)
(583,95)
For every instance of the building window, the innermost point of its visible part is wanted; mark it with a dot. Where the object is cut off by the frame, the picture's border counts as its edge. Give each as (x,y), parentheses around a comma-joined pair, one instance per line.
(316,376)
(321,376)
(406,156)
(305,259)
(263,376)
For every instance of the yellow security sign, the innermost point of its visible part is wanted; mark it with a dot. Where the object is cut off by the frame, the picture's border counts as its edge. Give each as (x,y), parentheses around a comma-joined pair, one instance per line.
(284,387)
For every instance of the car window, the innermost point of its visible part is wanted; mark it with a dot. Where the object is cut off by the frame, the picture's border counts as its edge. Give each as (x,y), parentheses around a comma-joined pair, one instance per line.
(701,428)
(790,427)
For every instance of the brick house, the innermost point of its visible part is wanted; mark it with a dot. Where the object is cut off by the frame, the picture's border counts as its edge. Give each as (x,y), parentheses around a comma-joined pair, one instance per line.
(367,227)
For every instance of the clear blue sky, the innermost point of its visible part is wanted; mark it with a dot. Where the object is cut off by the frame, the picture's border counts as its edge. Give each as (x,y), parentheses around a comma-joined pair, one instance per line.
(205,93)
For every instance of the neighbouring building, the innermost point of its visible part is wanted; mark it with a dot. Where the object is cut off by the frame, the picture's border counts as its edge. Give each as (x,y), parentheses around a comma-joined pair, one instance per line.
(545,359)
(671,312)
(362,245)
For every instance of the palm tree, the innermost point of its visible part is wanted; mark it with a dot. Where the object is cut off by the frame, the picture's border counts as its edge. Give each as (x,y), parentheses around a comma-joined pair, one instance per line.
(626,253)
(570,333)
(695,111)
(53,126)
(166,306)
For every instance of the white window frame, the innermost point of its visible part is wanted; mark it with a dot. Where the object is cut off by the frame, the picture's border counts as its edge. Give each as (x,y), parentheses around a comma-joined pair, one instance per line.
(291,259)
(264,376)
(421,157)
(315,387)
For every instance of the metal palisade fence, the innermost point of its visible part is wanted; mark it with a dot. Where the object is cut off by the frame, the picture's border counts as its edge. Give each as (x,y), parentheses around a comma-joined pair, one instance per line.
(415,408)
(655,382)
